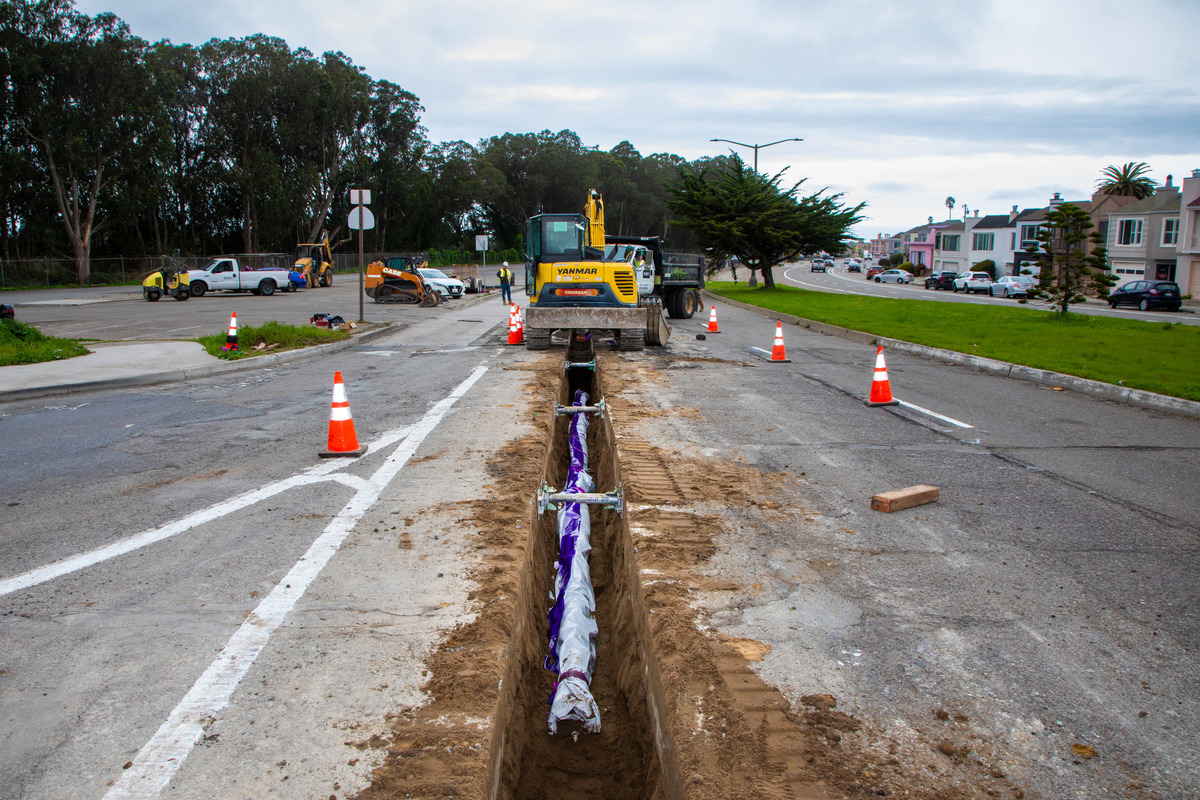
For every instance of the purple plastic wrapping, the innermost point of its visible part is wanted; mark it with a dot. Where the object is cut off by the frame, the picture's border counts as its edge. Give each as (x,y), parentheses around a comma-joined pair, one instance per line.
(572,618)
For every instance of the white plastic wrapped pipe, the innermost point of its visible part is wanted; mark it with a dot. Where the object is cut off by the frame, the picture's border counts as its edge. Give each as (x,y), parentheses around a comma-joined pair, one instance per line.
(573,616)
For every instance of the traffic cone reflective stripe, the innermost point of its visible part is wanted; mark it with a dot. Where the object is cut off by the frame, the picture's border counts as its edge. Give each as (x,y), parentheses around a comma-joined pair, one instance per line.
(881,387)
(231,337)
(777,352)
(520,322)
(712,321)
(342,439)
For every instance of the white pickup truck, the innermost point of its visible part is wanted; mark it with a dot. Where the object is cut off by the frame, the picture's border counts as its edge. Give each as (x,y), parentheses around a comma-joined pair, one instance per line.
(225,275)
(973,282)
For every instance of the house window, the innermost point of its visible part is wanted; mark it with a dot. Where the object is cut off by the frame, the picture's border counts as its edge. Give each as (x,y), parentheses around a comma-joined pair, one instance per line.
(1170,232)
(948,242)
(983,241)
(1029,235)
(1129,232)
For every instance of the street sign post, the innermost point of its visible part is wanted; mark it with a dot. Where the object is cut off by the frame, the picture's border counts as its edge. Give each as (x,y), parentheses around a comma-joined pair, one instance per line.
(360,219)
(481,244)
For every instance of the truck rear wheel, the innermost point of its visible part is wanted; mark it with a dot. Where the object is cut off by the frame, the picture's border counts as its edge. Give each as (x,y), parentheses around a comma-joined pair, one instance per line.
(267,288)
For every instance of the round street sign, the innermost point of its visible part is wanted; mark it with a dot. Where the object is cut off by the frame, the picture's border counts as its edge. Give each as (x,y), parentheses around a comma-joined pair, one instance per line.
(368,219)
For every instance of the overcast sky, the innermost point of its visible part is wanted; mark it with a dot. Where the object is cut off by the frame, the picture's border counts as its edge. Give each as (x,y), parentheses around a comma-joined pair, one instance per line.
(900,103)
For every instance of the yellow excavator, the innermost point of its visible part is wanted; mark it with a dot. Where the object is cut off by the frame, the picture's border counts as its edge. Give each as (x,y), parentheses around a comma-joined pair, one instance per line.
(577,280)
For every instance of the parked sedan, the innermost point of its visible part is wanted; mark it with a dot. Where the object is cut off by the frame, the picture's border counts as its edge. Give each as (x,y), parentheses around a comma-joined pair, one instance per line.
(894,276)
(1147,295)
(1012,286)
(442,283)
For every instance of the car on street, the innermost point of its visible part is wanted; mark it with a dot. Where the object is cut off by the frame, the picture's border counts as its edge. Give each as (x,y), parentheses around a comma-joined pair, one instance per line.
(817,266)
(894,276)
(1147,295)
(442,283)
(943,279)
(972,282)
(873,271)
(1012,286)
(854,267)
(6,312)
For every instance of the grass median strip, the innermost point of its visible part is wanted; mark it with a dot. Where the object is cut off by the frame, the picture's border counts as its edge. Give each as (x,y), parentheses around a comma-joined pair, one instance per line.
(274,336)
(1155,356)
(25,344)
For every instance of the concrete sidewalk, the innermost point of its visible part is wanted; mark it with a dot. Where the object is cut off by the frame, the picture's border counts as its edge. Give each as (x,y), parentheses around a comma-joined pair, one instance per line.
(116,364)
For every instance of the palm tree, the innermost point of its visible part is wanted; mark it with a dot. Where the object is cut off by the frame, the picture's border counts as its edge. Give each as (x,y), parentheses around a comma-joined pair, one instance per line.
(1129,180)
(950,202)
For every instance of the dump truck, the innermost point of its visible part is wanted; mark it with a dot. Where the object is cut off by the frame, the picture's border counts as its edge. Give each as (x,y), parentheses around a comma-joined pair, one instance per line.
(314,260)
(399,281)
(577,278)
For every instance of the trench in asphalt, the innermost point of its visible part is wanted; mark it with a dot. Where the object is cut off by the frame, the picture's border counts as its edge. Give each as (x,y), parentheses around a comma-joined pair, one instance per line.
(631,756)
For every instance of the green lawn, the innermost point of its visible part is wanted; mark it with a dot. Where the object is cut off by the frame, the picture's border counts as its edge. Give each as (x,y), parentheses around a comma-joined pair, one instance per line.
(25,344)
(1157,356)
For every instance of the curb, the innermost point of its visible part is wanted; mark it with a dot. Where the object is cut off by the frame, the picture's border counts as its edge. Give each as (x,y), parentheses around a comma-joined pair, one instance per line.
(1107,391)
(241,365)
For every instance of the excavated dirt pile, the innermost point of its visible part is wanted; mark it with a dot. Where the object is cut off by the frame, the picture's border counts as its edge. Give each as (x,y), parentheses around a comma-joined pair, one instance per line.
(683,714)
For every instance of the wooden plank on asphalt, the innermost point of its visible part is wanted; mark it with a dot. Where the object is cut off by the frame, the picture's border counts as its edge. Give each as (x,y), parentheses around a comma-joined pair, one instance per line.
(904,498)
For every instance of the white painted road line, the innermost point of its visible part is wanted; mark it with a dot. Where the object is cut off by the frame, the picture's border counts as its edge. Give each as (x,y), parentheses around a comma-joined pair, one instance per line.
(935,414)
(157,762)
(136,542)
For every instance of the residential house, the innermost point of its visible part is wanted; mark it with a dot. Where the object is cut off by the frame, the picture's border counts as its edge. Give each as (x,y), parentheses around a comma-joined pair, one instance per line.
(917,244)
(949,247)
(1142,237)
(1187,247)
(990,238)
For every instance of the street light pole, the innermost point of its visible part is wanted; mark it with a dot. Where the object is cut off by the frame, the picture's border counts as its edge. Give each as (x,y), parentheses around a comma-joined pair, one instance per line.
(756,146)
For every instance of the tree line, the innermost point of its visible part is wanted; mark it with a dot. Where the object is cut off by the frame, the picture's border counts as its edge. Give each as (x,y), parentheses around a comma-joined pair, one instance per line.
(112,145)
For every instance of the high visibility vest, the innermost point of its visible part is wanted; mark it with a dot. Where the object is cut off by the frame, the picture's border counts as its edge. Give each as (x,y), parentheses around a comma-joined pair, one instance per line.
(505,274)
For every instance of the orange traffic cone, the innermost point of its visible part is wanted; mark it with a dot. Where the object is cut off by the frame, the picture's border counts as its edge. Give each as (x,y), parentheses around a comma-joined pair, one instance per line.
(231,337)
(514,326)
(881,387)
(520,323)
(777,352)
(342,439)
(712,321)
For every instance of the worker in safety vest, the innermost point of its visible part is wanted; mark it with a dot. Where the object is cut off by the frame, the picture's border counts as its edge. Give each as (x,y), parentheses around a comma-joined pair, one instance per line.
(505,276)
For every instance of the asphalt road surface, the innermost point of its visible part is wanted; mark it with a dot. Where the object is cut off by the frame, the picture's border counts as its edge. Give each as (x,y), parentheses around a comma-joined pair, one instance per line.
(277,606)
(839,281)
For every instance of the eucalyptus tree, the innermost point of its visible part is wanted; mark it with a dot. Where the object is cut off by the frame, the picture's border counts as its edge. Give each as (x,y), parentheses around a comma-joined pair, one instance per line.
(77,91)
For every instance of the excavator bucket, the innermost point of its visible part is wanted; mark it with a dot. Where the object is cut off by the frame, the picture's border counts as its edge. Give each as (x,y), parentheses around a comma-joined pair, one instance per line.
(658,332)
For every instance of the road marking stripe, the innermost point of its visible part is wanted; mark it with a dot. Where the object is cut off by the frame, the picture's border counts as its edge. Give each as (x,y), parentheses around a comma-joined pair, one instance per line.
(935,414)
(159,759)
(75,563)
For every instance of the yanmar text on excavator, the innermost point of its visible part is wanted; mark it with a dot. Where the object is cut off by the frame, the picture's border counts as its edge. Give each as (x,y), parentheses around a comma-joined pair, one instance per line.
(579,279)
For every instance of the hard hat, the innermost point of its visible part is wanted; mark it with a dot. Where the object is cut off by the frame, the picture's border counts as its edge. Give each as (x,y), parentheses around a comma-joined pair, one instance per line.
(506,263)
